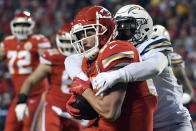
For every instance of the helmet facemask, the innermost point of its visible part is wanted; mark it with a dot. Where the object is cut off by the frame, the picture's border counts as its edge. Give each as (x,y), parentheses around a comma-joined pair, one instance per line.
(130,29)
(142,19)
(79,45)
(22,28)
(161,31)
(64,44)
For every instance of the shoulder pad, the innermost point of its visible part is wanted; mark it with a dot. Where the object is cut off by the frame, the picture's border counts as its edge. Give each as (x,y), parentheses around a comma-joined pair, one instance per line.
(115,52)
(38,36)
(176,58)
(9,37)
(159,43)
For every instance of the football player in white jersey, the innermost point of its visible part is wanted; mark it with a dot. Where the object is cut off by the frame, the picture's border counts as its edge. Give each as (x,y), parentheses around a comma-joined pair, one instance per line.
(136,26)
(178,66)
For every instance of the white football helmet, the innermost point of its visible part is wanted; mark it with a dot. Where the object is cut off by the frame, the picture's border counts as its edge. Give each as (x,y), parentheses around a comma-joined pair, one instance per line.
(161,31)
(26,23)
(134,23)
(63,40)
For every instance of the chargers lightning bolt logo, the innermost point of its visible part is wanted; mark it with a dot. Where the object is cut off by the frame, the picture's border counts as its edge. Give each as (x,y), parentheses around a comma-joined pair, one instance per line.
(134,7)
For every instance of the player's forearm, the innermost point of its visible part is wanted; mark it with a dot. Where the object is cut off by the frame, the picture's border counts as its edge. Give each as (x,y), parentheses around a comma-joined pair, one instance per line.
(38,75)
(186,83)
(27,86)
(188,87)
(94,101)
(110,105)
(98,104)
(144,70)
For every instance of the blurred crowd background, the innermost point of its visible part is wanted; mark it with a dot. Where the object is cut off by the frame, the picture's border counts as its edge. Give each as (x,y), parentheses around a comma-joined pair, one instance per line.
(178,16)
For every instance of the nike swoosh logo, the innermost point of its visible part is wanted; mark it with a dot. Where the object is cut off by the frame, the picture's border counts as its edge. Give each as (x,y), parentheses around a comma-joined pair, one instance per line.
(111,47)
(31,101)
(78,86)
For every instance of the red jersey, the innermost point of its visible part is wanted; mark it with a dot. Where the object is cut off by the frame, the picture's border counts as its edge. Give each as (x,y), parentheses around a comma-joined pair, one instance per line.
(22,59)
(116,55)
(58,93)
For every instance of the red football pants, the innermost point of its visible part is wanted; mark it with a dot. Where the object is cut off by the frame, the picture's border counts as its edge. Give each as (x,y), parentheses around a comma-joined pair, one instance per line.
(34,107)
(51,121)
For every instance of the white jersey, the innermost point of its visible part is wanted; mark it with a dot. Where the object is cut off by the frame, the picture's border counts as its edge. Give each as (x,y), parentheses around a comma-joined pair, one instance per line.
(176,60)
(170,109)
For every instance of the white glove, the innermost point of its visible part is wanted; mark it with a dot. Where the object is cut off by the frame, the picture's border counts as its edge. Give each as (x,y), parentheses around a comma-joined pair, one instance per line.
(186,98)
(106,80)
(20,110)
(68,116)
(82,122)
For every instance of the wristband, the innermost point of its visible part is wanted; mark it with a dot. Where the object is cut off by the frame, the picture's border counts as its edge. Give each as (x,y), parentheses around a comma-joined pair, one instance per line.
(22,98)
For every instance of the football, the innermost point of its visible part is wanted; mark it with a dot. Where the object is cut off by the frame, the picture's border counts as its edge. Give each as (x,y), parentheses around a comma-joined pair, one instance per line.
(85,108)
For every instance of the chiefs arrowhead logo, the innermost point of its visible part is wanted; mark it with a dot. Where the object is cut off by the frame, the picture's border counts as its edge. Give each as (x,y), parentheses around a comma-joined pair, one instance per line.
(104,13)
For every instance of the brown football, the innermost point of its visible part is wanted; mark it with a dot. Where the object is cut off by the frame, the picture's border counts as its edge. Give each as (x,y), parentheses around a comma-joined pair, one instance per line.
(85,108)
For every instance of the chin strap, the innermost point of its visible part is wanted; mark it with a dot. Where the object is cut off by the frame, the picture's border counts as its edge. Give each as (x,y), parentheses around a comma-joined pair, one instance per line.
(92,53)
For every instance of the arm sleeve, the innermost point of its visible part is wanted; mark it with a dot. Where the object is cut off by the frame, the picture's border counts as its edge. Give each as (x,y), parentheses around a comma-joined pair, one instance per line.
(144,70)
(73,67)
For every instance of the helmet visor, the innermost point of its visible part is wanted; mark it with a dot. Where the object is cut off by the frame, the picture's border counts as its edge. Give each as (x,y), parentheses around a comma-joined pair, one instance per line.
(126,28)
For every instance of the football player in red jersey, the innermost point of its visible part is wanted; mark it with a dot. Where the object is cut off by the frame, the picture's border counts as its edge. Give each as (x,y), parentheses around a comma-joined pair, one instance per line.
(22,50)
(127,107)
(53,115)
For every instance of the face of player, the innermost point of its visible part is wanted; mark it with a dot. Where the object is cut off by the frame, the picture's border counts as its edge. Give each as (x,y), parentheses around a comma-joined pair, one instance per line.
(126,29)
(21,30)
(88,41)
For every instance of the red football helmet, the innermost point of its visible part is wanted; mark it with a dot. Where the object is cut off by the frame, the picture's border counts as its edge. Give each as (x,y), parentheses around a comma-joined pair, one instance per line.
(63,40)
(95,18)
(22,25)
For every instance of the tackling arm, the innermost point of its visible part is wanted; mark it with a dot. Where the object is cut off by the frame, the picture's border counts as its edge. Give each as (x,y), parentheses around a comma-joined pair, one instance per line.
(144,70)
(139,71)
